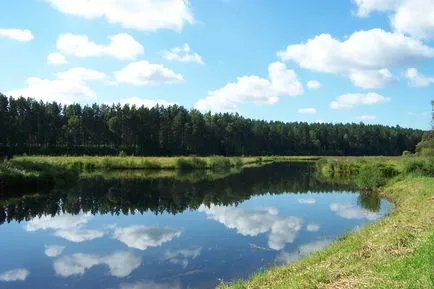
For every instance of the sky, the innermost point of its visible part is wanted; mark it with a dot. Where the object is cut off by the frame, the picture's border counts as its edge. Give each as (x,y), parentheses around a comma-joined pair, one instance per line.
(368,61)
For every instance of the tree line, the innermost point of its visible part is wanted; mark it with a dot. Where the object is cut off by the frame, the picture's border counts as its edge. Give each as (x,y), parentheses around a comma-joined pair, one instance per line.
(35,127)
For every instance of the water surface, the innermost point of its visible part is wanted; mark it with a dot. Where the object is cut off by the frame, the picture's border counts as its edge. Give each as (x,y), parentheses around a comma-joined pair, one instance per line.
(184,232)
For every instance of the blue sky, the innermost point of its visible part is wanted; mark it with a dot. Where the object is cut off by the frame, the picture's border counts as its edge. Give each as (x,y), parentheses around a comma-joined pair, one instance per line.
(332,61)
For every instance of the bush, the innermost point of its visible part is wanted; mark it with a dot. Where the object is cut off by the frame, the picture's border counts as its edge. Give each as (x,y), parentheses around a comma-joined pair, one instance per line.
(122,154)
(373,176)
(419,167)
(190,164)
(238,163)
(406,153)
(220,163)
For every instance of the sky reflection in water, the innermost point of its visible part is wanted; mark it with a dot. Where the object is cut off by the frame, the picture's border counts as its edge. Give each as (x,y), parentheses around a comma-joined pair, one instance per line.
(163,233)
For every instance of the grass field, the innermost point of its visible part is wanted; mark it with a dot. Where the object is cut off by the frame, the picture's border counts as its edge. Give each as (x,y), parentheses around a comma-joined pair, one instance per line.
(395,252)
(158,163)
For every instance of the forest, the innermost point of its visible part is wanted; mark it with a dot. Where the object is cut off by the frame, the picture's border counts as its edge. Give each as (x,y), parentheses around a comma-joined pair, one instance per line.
(32,127)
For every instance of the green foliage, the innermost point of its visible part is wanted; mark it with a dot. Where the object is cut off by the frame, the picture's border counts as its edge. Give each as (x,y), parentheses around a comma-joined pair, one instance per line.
(193,163)
(424,167)
(373,176)
(220,163)
(426,146)
(406,153)
(32,127)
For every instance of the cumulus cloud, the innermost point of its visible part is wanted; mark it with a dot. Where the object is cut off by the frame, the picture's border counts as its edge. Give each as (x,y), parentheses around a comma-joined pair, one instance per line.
(252,222)
(22,35)
(365,56)
(145,73)
(56,58)
(148,15)
(313,84)
(121,264)
(182,256)
(183,54)
(151,285)
(69,86)
(312,227)
(142,237)
(413,17)
(366,117)
(349,211)
(302,251)
(14,275)
(149,103)
(122,46)
(253,89)
(53,250)
(79,235)
(307,110)
(417,79)
(309,201)
(68,227)
(353,99)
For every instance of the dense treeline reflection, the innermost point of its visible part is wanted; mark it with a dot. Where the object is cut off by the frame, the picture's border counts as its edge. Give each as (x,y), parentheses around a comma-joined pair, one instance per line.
(32,127)
(108,196)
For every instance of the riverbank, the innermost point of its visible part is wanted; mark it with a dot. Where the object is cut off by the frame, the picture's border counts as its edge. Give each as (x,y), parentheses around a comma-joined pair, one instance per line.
(395,252)
(45,171)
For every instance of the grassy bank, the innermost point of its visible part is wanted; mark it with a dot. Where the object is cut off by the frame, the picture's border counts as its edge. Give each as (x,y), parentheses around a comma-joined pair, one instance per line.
(31,171)
(28,175)
(90,163)
(395,252)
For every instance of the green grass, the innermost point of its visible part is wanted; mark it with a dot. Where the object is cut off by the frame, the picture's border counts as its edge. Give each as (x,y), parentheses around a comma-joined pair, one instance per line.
(89,163)
(395,252)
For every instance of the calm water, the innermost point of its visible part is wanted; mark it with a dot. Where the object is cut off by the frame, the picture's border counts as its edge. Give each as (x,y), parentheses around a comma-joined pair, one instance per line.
(174,233)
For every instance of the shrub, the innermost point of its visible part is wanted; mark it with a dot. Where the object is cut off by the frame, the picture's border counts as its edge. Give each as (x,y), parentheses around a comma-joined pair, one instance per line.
(190,164)
(220,163)
(419,167)
(406,153)
(238,163)
(122,154)
(373,176)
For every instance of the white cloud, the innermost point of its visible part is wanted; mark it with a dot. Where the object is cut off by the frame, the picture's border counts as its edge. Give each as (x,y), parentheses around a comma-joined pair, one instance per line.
(137,14)
(352,99)
(307,110)
(413,17)
(309,201)
(252,222)
(53,250)
(253,89)
(417,79)
(122,46)
(312,227)
(23,35)
(302,251)
(149,103)
(182,256)
(79,235)
(422,114)
(142,237)
(372,78)
(313,84)
(349,211)
(365,57)
(14,275)
(366,117)
(145,73)
(59,222)
(183,54)
(68,87)
(151,285)
(121,264)
(66,226)
(56,59)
